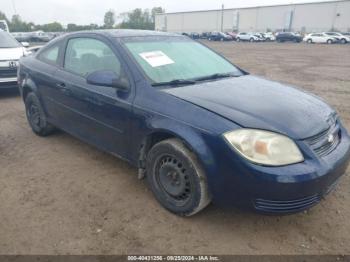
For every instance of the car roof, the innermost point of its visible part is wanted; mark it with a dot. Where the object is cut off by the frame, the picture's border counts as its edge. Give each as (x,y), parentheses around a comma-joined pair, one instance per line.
(126,33)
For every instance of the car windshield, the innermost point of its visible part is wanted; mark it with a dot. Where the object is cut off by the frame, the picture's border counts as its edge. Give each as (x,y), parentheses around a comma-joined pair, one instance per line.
(165,59)
(7,41)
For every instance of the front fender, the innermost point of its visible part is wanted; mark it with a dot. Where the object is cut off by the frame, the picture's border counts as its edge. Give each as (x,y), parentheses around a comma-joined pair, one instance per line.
(195,139)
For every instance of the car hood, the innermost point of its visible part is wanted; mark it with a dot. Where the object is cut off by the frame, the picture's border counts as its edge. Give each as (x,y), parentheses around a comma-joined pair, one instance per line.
(254,102)
(11,53)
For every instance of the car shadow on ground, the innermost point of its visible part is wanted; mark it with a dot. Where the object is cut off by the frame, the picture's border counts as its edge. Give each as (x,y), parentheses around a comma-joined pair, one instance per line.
(8,93)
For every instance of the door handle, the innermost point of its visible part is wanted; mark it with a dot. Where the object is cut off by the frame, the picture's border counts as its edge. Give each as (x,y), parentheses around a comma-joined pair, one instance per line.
(61,85)
(63,88)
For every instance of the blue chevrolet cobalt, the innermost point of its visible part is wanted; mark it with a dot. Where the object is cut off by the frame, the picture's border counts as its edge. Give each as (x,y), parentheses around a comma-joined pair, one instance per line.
(199,128)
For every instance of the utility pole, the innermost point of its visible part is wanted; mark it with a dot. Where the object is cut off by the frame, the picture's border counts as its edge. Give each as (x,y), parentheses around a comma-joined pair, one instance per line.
(14,7)
(222,17)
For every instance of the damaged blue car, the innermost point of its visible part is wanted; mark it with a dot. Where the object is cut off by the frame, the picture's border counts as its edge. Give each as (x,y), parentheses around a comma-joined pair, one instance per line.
(197,127)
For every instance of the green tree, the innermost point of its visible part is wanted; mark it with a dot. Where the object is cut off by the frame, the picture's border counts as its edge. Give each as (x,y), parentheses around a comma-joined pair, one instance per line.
(140,19)
(51,27)
(3,17)
(74,27)
(109,19)
(156,10)
(137,19)
(17,25)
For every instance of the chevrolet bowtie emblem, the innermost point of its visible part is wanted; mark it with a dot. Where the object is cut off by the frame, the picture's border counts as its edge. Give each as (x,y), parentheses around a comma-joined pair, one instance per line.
(330,138)
(12,64)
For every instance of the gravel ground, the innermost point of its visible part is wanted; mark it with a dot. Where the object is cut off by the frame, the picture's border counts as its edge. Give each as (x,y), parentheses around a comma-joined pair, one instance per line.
(61,196)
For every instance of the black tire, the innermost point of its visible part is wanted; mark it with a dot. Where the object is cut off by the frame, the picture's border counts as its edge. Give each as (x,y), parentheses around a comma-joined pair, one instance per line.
(209,39)
(329,41)
(36,116)
(343,41)
(176,178)
(309,41)
(251,40)
(238,39)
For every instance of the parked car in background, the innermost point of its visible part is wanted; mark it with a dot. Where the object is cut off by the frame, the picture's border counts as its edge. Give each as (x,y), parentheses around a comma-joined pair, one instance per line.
(194,35)
(269,36)
(340,37)
(22,37)
(225,136)
(4,26)
(232,34)
(251,37)
(205,35)
(40,36)
(319,38)
(288,37)
(219,36)
(260,36)
(10,53)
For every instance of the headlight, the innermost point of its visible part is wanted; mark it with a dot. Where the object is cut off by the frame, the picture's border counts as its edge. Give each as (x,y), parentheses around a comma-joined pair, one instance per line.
(264,147)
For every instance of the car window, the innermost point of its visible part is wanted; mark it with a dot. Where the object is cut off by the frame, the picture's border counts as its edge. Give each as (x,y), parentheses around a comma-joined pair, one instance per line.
(165,59)
(86,55)
(50,55)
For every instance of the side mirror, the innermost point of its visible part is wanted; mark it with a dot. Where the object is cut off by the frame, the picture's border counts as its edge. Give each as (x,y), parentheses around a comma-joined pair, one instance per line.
(25,44)
(107,78)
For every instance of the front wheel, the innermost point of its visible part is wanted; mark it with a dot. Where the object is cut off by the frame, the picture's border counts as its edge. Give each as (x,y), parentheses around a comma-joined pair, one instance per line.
(329,41)
(36,116)
(343,41)
(309,41)
(251,40)
(238,39)
(176,178)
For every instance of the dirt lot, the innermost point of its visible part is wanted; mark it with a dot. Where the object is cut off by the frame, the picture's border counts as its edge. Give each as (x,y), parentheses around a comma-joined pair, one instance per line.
(61,196)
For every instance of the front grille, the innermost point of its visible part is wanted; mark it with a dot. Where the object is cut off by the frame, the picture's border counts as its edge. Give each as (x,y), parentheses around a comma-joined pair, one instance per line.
(286,206)
(8,72)
(326,141)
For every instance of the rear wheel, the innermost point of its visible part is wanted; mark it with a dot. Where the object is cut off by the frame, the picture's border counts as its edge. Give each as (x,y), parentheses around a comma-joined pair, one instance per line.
(238,39)
(251,39)
(309,41)
(176,178)
(36,116)
(343,41)
(329,41)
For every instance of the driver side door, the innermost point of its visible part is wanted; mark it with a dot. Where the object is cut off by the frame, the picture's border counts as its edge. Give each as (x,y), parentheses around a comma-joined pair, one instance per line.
(99,115)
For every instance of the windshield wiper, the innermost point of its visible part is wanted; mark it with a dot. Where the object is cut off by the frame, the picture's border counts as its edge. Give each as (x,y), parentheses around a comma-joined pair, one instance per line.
(214,76)
(175,82)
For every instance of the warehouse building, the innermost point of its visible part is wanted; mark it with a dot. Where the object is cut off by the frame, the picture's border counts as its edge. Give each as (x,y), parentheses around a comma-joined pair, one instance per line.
(305,17)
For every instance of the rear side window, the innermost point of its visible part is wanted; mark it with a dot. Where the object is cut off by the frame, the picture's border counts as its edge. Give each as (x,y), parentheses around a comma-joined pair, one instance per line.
(50,55)
(87,55)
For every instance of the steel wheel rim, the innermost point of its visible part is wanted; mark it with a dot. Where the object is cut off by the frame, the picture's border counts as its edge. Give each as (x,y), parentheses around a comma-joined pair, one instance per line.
(34,115)
(173,180)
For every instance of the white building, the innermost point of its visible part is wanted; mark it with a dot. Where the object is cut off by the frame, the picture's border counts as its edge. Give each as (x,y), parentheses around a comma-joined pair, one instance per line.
(306,17)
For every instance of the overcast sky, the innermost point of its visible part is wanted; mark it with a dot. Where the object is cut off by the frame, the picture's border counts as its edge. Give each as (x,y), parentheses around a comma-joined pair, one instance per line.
(92,11)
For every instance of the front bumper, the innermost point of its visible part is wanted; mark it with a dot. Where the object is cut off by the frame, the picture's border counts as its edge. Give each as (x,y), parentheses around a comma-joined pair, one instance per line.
(279,190)
(8,83)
